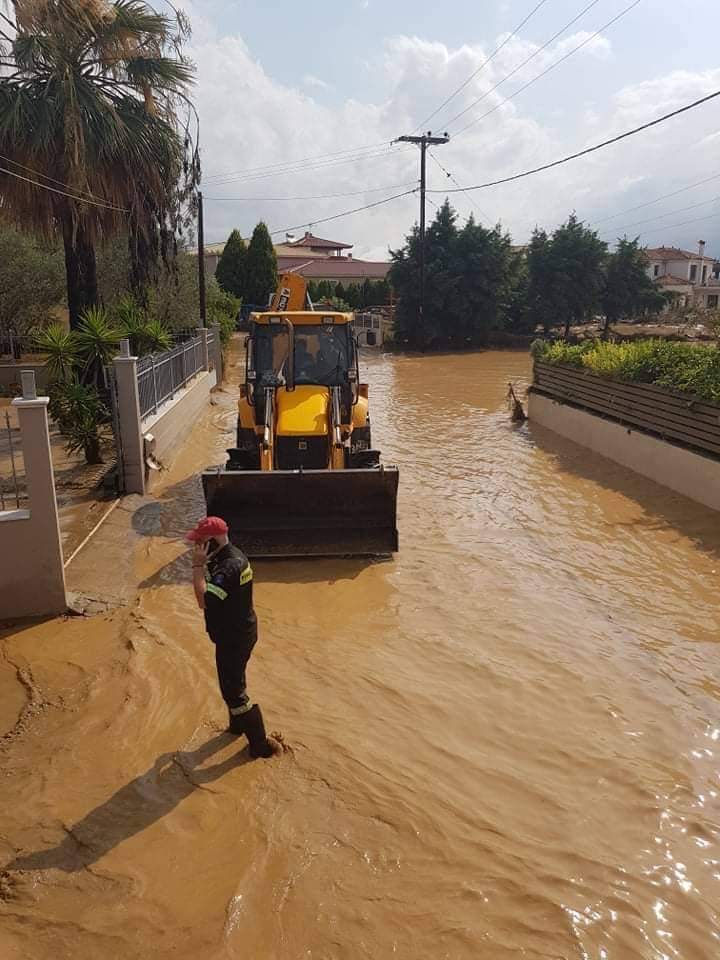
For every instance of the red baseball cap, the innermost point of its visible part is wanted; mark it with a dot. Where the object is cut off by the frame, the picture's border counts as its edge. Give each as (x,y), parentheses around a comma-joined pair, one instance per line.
(207,528)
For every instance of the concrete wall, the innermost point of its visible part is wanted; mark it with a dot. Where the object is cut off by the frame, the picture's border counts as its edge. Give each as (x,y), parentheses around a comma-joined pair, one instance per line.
(31,562)
(691,474)
(173,422)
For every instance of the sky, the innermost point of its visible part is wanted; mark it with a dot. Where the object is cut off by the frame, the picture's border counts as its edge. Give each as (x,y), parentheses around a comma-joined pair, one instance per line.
(279,82)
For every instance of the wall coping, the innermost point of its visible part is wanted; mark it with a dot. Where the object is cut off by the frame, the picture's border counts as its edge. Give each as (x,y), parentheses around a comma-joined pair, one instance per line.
(149,422)
(37,402)
(9,515)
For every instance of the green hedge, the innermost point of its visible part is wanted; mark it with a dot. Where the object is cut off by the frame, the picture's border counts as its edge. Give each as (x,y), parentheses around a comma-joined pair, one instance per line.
(687,367)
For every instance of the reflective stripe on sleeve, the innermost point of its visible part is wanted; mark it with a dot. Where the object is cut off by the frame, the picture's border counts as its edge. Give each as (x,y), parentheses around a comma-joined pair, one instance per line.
(246,576)
(216,591)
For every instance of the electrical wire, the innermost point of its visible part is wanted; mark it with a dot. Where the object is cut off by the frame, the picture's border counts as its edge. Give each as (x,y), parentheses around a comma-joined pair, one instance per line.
(552,66)
(60,183)
(326,196)
(311,168)
(524,63)
(665,196)
(451,177)
(64,193)
(337,216)
(587,150)
(684,223)
(660,216)
(482,66)
(291,163)
(346,213)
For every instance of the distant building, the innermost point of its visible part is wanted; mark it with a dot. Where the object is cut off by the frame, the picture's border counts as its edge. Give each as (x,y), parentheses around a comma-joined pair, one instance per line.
(315,259)
(691,278)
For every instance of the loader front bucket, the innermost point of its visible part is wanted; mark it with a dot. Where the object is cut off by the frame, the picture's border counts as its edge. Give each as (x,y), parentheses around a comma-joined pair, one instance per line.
(308,513)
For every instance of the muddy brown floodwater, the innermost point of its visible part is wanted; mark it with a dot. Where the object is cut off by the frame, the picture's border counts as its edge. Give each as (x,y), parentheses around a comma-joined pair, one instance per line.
(505,741)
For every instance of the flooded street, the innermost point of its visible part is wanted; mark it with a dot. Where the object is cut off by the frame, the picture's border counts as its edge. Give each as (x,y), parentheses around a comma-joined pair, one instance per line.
(506,741)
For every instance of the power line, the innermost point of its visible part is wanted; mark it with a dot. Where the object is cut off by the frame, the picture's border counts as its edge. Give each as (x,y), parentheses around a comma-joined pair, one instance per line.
(665,196)
(310,167)
(684,223)
(525,62)
(64,193)
(291,163)
(551,67)
(582,153)
(326,196)
(337,216)
(346,213)
(661,216)
(451,177)
(60,183)
(482,66)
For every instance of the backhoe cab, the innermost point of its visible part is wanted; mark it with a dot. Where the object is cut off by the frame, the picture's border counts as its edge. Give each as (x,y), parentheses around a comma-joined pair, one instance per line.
(303,478)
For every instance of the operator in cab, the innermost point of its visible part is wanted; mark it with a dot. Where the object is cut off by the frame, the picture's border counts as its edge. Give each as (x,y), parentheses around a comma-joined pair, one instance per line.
(223,585)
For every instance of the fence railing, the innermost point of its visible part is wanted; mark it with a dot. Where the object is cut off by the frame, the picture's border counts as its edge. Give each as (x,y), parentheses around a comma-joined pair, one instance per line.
(161,375)
(13,490)
(368,321)
(15,346)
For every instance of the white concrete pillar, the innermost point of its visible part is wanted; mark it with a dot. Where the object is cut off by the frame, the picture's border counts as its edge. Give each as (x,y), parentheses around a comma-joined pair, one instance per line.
(202,332)
(46,588)
(133,454)
(217,347)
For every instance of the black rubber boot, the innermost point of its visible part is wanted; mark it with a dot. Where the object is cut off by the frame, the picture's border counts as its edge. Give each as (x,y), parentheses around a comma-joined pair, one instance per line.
(236,726)
(255,732)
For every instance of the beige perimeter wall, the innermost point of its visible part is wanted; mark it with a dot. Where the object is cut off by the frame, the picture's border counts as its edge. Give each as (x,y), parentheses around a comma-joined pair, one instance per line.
(691,474)
(175,419)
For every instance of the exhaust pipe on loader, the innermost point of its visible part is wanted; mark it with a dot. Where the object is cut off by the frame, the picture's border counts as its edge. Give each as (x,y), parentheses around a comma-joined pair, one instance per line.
(311,513)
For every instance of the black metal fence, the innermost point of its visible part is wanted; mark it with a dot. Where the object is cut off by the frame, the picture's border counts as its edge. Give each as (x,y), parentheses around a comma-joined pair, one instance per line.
(15,346)
(161,375)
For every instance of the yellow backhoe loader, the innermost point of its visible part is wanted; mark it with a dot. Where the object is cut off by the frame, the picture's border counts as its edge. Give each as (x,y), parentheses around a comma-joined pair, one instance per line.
(303,479)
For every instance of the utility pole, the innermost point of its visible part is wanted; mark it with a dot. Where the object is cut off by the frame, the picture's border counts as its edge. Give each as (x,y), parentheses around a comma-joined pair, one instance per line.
(424,141)
(201,260)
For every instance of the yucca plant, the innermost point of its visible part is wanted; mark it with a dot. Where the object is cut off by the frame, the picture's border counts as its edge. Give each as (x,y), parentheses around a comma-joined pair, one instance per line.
(97,339)
(81,415)
(62,350)
(146,335)
(156,337)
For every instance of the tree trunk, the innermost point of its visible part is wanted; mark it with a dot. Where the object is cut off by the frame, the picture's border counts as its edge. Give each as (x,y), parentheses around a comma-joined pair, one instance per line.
(566,332)
(92,452)
(80,270)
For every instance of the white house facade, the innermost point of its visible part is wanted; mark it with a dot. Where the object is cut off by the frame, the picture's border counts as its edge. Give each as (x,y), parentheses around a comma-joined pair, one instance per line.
(692,278)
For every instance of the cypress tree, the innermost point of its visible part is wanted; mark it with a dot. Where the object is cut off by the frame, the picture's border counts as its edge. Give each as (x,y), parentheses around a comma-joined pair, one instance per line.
(261,276)
(230,272)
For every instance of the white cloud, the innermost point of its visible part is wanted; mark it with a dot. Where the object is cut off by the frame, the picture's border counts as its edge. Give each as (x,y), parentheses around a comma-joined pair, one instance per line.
(250,120)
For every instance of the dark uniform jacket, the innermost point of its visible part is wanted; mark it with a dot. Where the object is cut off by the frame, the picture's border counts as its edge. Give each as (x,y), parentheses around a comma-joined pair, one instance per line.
(229,612)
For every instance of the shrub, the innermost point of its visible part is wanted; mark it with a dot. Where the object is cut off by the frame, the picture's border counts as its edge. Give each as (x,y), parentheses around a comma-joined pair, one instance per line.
(80,415)
(686,367)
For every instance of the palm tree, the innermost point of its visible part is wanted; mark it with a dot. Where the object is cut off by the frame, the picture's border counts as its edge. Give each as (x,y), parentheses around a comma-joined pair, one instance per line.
(89,107)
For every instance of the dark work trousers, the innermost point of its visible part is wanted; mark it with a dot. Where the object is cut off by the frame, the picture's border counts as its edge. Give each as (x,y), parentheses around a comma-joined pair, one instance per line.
(231,656)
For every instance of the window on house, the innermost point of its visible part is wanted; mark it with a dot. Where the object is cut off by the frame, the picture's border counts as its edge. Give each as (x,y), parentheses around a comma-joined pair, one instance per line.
(656,270)
(693,273)
(712,302)
(704,273)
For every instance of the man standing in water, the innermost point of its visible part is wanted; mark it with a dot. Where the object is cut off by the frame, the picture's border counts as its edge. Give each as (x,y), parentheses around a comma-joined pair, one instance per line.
(225,594)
